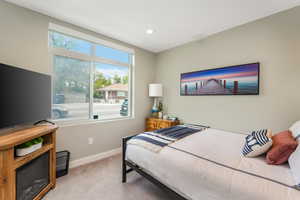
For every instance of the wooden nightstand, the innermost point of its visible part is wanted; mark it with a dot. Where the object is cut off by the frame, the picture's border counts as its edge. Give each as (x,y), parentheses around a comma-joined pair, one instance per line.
(155,123)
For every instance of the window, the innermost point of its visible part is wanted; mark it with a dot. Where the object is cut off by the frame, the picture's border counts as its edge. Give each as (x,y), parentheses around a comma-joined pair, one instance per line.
(59,40)
(113,54)
(91,80)
(71,88)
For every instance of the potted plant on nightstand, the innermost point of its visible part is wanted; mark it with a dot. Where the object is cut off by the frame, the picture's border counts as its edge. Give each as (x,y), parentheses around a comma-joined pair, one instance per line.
(29,147)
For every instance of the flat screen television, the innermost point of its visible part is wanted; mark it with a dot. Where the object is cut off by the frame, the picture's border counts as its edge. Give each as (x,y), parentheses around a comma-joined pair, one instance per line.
(25,96)
(233,80)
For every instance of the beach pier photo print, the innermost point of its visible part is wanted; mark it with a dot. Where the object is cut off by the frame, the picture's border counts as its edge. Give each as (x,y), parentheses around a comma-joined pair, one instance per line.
(234,80)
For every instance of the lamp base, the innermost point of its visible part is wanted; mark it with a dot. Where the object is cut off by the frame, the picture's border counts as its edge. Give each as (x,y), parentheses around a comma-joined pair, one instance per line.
(155,106)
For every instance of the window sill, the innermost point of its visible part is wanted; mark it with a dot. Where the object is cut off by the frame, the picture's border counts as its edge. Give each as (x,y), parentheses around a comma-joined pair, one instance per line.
(78,122)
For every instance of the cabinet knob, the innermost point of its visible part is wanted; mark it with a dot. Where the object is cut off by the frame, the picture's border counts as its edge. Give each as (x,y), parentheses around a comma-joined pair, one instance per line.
(3,180)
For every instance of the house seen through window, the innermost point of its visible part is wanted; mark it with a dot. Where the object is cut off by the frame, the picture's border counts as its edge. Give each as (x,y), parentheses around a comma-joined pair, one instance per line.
(90,80)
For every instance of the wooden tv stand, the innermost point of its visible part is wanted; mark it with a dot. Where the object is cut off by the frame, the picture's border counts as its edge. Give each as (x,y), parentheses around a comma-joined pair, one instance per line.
(9,163)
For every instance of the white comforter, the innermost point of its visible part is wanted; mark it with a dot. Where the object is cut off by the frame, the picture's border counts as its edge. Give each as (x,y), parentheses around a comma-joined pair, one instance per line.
(198,179)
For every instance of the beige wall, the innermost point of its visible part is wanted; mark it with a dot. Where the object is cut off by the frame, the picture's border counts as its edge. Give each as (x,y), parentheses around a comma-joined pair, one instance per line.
(24,43)
(274,42)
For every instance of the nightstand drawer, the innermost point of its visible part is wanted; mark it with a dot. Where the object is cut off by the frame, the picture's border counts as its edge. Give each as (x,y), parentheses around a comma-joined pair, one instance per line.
(151,126)
(163,125)
(155,124)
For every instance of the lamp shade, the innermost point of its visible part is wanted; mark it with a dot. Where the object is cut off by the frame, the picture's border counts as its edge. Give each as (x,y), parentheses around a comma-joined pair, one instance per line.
(155,90)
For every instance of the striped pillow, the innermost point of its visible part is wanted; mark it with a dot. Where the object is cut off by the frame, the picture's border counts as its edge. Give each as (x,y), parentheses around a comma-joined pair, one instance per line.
(257,143)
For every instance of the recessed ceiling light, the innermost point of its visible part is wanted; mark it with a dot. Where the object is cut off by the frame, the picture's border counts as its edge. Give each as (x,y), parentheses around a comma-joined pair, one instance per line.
(149,31)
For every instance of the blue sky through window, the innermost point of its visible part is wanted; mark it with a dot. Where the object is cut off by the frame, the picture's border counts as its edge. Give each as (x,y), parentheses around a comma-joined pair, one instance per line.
(112,54)
(70,43)
(83,46)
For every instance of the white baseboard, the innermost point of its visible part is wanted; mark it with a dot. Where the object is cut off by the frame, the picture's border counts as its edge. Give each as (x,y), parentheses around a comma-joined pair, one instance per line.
(93,158)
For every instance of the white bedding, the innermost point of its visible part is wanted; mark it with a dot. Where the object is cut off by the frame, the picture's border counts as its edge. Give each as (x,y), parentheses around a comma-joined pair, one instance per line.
(196,178)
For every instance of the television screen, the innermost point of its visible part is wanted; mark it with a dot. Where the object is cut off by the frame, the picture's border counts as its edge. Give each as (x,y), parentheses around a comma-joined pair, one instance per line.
(234,80)
(25,96)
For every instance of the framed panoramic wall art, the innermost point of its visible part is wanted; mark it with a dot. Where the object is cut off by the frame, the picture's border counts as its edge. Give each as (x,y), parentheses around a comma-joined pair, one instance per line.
(233,80)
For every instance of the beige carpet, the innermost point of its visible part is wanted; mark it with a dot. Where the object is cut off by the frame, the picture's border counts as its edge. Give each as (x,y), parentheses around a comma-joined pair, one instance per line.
(102,181)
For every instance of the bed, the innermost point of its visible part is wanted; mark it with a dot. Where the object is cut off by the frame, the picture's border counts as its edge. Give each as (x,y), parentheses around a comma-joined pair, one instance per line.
(204,166)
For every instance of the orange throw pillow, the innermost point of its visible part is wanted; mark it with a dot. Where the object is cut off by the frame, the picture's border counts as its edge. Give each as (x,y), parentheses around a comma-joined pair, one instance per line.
(284,145)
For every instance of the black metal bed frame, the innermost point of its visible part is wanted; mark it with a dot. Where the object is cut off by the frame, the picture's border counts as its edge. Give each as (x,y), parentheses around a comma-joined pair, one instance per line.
(129,166)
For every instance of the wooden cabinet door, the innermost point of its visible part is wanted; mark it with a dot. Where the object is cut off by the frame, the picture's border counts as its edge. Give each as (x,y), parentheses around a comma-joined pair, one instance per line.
(2,177)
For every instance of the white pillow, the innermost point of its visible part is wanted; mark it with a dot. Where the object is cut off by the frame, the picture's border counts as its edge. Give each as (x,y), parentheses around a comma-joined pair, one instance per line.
(295,129)
(294,162)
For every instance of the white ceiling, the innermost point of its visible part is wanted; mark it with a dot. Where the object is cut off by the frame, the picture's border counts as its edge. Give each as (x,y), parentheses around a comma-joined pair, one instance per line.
(174,22)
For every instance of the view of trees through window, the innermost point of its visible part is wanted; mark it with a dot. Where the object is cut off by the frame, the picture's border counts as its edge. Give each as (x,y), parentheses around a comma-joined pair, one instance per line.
(84,86)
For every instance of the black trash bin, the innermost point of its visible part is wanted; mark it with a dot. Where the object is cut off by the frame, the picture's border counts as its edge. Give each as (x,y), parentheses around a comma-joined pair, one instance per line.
(62,163)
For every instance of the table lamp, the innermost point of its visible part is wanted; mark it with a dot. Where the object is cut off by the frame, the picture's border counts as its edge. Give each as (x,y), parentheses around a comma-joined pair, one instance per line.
(155,90)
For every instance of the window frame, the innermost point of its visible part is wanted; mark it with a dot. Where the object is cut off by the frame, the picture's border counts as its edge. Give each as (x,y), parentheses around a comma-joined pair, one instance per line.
(57,51)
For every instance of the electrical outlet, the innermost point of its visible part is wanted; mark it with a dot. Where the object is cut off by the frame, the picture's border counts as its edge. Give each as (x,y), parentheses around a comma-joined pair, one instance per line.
(90,140)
